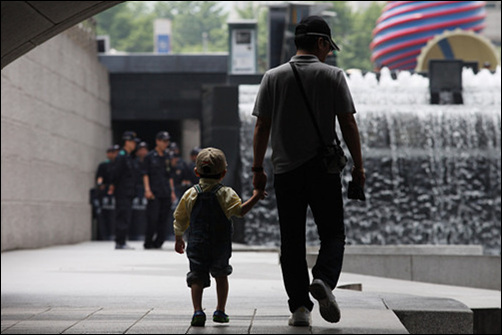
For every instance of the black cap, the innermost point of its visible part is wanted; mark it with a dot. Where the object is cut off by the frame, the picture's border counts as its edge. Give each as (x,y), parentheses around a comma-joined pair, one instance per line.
(111,149)
(116,147)
(142,144)
(315,26)
(195,151)
(129,136)
(163,135)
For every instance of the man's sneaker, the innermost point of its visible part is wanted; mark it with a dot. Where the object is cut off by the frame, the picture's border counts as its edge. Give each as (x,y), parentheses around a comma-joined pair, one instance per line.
(123,247)
(220,317)
(327,303)
(300,318)
(198,319)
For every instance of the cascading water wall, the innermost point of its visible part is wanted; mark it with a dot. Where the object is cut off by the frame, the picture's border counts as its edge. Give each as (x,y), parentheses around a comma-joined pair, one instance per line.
(433,171)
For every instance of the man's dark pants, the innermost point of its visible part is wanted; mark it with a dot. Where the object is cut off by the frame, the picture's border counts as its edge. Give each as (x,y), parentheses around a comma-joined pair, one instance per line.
(309,185)
(158,210)
(123,216)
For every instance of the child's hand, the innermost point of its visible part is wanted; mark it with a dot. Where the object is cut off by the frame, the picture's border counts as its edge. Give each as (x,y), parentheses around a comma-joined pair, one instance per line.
(179,246)
(261,193)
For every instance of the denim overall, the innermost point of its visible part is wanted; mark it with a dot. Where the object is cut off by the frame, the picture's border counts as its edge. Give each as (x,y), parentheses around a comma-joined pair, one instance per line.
(210,238)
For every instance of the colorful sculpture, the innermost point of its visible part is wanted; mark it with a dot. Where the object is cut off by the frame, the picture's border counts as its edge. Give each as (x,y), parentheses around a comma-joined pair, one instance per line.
(405,27)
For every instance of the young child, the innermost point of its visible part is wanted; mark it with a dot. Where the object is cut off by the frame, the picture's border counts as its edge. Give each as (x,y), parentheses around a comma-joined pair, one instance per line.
(205,210)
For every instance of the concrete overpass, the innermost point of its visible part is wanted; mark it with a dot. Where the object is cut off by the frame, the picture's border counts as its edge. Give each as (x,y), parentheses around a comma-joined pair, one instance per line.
(27,24)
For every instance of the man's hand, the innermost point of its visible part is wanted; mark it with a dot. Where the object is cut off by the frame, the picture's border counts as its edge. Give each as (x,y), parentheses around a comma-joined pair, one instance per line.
(179,246)
(149,195)
(358,176)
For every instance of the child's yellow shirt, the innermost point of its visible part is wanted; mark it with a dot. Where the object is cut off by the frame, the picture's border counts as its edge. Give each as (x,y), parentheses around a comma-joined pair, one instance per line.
(229,200)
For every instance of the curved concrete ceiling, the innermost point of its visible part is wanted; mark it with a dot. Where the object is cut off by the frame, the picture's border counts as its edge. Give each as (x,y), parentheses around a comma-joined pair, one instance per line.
(26,24)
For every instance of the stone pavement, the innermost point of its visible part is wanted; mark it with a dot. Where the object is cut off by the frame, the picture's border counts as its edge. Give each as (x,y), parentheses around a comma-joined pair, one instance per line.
(92,288)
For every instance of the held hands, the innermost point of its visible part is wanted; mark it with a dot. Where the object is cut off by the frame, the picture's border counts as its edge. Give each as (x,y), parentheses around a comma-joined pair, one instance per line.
(261,194)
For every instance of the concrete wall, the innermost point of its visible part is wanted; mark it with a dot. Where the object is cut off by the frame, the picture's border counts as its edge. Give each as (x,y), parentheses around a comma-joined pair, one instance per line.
(55,129)
(441,264)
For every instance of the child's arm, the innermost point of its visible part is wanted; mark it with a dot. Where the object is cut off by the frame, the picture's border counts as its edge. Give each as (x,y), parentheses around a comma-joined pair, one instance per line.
(181,223)
(257,195)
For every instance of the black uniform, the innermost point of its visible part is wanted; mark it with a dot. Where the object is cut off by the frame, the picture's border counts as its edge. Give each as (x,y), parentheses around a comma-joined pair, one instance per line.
(106,217)
(194,180)
(158,169)
(139,203)
(124,179)
(180,174)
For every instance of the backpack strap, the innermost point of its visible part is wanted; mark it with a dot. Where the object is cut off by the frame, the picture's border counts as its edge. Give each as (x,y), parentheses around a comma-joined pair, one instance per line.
(198,188)
(216,188)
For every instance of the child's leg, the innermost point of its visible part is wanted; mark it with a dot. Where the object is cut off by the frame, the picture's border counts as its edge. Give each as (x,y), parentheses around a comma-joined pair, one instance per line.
(222,292)
(197,288)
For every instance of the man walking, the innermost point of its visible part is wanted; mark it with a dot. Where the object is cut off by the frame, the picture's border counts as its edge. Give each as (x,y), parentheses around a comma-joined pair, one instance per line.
(159,190)
(300,177)
(106,217)
(123,186)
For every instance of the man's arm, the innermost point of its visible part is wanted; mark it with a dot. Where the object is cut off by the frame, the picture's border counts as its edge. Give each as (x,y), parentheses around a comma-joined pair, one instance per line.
(350,133)
(260,144)
(146,184)
(173,192)
(116,173)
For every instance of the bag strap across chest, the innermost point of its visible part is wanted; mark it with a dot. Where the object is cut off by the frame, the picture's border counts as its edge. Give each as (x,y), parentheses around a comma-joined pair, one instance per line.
(214,190)
(307,104)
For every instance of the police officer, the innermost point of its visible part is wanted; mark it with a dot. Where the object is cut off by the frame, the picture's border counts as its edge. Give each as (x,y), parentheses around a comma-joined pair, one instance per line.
(123,186)
(159,190)
(106,217)
(138,221)
(192,177)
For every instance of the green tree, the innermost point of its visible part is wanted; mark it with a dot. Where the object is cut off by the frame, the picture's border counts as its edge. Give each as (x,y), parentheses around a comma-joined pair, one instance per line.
(357,52)
(129,25)
(191,21)
(352,31)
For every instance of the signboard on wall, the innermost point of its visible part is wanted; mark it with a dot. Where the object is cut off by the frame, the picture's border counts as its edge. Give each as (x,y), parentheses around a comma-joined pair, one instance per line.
(243,50)
(162,36)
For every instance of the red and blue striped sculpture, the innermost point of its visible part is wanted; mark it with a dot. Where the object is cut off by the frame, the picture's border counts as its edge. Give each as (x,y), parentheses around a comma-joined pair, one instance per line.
(404,28)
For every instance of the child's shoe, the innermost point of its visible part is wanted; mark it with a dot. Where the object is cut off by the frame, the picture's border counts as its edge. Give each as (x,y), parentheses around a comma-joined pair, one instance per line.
(220,317)
(199,319)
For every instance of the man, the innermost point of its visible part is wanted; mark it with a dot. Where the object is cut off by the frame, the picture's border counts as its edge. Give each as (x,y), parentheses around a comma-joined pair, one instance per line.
(159,190)
(123,188)
(180,175)
(192,177)
(301,179)
(139,202)
(106,217)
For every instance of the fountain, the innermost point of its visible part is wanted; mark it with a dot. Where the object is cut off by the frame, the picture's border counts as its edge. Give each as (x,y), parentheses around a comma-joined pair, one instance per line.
(433,171)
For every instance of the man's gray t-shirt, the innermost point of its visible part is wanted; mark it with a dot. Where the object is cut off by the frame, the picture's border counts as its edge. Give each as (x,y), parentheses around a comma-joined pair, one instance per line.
(294,139)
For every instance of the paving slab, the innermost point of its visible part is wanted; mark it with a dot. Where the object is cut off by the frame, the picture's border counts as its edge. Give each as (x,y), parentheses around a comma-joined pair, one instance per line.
(92,288)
